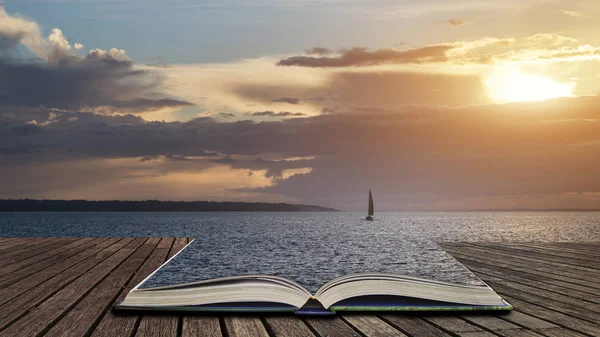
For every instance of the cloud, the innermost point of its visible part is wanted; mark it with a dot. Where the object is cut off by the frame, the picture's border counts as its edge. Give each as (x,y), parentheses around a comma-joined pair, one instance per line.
(276,114)
(363,57)
(382,89)
(545,40)
(430,154)
(226,114)
(289,100)
(64,80)
(456,22)
(319,51)
(574,14)
(78,46)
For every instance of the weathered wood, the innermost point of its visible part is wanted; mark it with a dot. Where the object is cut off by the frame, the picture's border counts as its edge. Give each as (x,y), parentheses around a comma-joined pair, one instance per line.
(177,246)
(41,317)
(526,258)
(560,332)
(25,262)
(66,287)
(519,333)
(532,282)
(43,249)
(81,318)
(157,326)
(21,245)
(556,317)
(370,325)
(547,255)
(331,327)
(527,321)
(535,267)
(245,326)
(199,326)
(414,326)
(452,324)
(123,324)
(49,271)
(490,322)
(164,246)
(288,326)
(20,305)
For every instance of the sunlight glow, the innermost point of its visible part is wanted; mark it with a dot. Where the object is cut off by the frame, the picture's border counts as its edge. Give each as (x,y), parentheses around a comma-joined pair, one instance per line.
(506,86)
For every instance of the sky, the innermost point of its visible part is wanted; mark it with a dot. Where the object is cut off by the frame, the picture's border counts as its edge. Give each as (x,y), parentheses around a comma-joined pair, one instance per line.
(437,105)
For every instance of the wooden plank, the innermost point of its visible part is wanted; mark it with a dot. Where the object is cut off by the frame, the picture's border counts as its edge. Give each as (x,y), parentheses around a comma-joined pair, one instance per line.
(544,279)
(177,246)
(519,333)
(40,266)
(25,247)
(18,306)
(19,245)
(81,318)
(529,283)
(165,243)
(559,249)
(41,318)
(44,249)
(481,333)
(157,326)
(29,261)
(124,324)
(545,255)
(288,326)
(452,324)
(201,326)
(50,271)
(166,321)
(551,300)
(560,332)
(489,322)
(414,326)
(555,317)
(527,321)
(245,326)
(543,269)
(370,325)
(331,327)
(526,258)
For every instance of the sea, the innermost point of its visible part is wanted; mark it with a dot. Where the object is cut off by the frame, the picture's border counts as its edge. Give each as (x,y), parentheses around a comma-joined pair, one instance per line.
(311,247)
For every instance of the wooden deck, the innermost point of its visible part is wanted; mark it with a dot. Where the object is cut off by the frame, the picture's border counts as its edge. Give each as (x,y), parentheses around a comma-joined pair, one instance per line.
(66,287)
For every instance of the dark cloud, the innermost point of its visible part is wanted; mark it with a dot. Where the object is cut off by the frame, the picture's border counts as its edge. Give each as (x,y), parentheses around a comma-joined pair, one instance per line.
(64,80)
(226,114)
(289,100)
(76,83)
(409,155)
(456,22)
(357,57)
(319,51)
(382,89)
(276,114)
(274,168)
(145,104)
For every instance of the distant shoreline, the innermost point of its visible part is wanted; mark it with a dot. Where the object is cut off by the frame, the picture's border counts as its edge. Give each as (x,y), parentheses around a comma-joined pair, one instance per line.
(33,205)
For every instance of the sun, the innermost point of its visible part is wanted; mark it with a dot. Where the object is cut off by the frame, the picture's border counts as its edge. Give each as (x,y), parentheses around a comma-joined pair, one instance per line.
(513,85)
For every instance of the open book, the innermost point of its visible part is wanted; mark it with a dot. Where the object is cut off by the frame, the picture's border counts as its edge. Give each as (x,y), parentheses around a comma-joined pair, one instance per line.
(366,291)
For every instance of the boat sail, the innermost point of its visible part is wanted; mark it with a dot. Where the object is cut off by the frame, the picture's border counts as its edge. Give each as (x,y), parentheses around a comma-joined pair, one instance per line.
(371,207)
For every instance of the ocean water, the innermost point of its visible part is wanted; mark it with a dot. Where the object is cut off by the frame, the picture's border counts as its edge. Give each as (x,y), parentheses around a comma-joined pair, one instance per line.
(229,227)
(312,248)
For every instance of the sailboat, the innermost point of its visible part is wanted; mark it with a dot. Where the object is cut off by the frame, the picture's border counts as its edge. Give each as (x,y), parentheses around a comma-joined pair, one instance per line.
(371,207)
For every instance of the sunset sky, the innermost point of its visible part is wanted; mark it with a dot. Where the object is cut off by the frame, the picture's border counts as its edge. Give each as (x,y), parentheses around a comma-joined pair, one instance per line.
(434,105)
